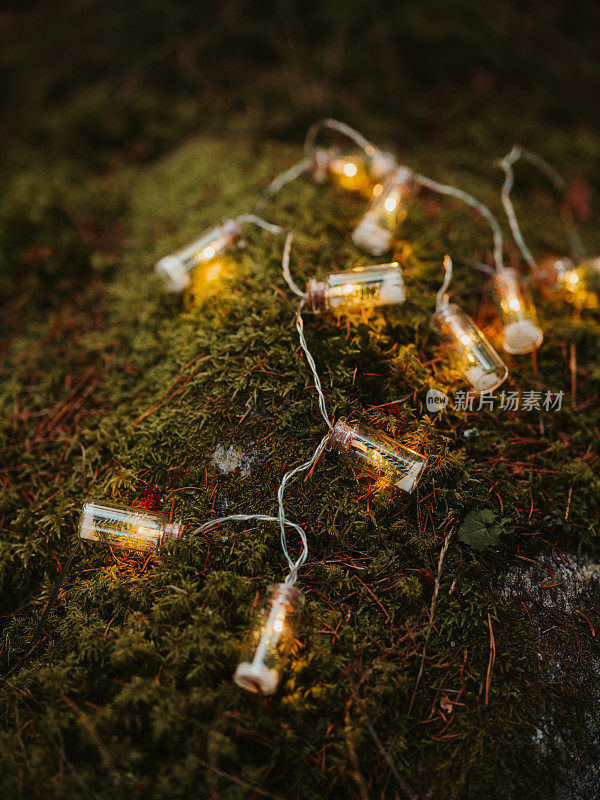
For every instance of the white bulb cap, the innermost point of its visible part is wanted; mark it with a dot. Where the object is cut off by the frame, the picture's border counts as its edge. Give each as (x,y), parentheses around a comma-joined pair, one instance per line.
(173,273)
(257,678)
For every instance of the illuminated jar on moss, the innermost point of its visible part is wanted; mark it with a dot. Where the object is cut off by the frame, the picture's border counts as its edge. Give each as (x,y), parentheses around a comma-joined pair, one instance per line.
(375,232)
(175,269)
(581,281)
(520,331)
(354,171)
(129,528)
(361,287)
(377,455)
(270,640)
(468,350)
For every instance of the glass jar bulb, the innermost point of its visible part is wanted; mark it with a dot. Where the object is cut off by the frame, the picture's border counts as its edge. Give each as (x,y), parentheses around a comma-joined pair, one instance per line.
(361,287)
(375,231)
(520,330)
(580,281)
(175,268)
(270,640)
(354,170)
(468,349)
(129,528)
(377,455)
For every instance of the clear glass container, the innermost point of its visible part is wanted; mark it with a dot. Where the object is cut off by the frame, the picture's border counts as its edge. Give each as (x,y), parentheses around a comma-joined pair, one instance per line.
(175,269)
(581,281)
(361,287)
(377,455)
(270,640)
(468,349)
(129,528)
(354,170)
(520,330)
(375,232)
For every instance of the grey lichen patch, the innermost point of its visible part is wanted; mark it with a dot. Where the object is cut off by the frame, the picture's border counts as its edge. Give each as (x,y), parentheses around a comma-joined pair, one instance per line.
(229,458)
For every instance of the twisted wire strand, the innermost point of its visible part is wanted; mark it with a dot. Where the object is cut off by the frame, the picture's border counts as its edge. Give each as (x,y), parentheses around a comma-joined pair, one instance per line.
(312,365)
(307,465)
(260,222)
(336,125)
(285,268)
(283,522)
(282,180)
(467,198)
(441,296)
(507,163)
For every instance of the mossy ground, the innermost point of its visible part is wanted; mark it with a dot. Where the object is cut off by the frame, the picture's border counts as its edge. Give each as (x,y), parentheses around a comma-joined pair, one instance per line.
(111,387)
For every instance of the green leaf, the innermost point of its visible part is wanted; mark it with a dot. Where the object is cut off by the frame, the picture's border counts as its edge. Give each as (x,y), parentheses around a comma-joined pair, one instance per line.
(479,530)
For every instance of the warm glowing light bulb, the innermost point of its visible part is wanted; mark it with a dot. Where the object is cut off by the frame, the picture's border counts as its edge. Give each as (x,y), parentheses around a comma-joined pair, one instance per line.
(468,350)
(375,231)
(129,528)
(270,640)
(175,269)
(377,455)
(581,281)
(358,288)
(354,171)
(520,332)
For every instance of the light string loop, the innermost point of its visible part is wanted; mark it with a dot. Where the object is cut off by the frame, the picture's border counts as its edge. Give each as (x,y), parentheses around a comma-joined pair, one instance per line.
(452,191)
(335,125)
(283,522)
(506,164)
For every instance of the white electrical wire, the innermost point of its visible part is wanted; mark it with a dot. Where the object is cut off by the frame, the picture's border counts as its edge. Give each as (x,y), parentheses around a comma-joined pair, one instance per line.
(557,181)
(506,164)
(260,222)
(285,268)
(280,181)
(312,365)
(442,297)
(467,198)
(283,522)
(291,578)
(340,127)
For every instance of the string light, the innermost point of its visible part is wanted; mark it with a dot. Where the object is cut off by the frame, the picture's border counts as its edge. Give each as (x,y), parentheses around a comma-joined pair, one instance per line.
(580,281)
(373,453)
(578,277)
(466,347)
(376,229)
(358,288)
(269,640)
(175,269)
(520,331)
(377,455)
(127,528)
(356,170)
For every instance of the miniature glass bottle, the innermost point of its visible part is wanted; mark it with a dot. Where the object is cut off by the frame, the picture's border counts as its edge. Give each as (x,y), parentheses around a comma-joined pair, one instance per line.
(354,171)
(377,455)
(520,333)
(130,528)
(270,640)
(581,281)
(375,232)
(175,269)
(361,287)
(468,349)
